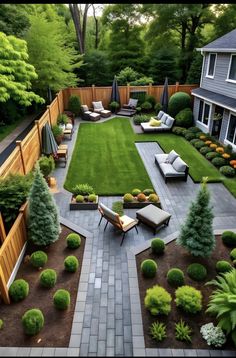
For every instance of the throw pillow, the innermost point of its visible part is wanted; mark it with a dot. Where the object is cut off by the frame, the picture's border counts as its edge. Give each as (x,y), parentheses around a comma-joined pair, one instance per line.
(154,123)
(84,107)
(98,105)
(160,114)
(169,121)
(179,165)
(69,126)
(171,157)
(164,118)
(132,102)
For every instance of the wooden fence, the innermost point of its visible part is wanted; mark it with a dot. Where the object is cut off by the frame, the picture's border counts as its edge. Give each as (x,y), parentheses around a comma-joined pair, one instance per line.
(11,251)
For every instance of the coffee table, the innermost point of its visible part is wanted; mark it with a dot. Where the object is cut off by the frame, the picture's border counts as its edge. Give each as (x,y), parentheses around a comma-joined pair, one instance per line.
(153,217)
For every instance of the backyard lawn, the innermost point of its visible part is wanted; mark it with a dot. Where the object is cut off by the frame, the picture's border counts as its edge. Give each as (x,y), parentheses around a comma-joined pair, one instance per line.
(105,156)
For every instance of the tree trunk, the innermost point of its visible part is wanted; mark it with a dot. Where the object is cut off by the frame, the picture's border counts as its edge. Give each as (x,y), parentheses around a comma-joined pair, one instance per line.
(96,27)
(75,14)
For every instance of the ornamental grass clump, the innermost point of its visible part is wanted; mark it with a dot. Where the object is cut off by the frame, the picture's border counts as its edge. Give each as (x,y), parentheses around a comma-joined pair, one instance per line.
(189,299)
(73,241)
(213,335)
(183,331)
(48,278)
(197,272)
(175,277)
(149,268)
(38,259)
(158,331)
(32,321)
(83,189)
(158,301)
(117,207)
(157,246)
(18,290)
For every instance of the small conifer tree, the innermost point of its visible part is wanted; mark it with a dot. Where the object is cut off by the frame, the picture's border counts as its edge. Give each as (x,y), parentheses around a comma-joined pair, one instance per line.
(43,220)
(196,233)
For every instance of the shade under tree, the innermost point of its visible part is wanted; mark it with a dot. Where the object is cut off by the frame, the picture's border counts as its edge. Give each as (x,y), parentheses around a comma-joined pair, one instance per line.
(165,96)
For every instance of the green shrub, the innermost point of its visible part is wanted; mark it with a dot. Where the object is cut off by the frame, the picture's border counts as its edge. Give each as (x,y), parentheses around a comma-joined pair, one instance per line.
(153,198)
(57,131)
(212,155)
(32,321)
(114,106)
(140,118)
(189,135)
(146,106)
(157,246)
(175,277)
(193,141)
(92,198)
(188,299)
(197,272)
(38,259)
(1,324)
(117,207)
(71,263)
(178,130)
(218,162)
(128,198)
(158,107)
(138,110)
(48,278)
(83,189)
(141,197)
(61,299)
(229,238)
(195,129)
(147,192)
(46,165)
(183,331)
(19,290)
(79,198)
(158,331)
(177,102)
(184,118)
(74,104)
(149,268)
(199,144)
(205,150)
(213,335)
(223,266)
(62,119)
(228,171)
(135,192)
(233,254)
(150,99)
(234,263)
(158,300)
(73,241)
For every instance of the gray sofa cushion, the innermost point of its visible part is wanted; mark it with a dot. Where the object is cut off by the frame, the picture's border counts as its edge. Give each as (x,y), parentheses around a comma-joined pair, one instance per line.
(169,121)
(169,171)
(172,156)
(160,114)
(161,158)
(179,165)
(164,118)
(133,102)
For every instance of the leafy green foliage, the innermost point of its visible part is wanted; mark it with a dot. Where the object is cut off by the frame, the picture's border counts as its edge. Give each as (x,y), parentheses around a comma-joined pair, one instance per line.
(175,277)
(147,191)
(71,263)
(184,118)
(13,19)
(33,321)
(199,144)
(48,278)
(177,102)
(229,238)
(117,207)
(153,198)
(19,290)
(233,254)
(136,191)
(157,245)
(139,118)
(73,241)
(146,106)
(1,324)
(213,335)
(83,189)
(189,135)
(128,198)
(183,331)
(92,198)
(62,119)
(127,75)
(38,259)
(61,299)
(46,165)
(223,266)
(149,268)
(79,198)
(205,150)
(189,299)
(219,162)
(158,300)
(197,272)
(228,171)
(158,331)
(212,155)
(74,104)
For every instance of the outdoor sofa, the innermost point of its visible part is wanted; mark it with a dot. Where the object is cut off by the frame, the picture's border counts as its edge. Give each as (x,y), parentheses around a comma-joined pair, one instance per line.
(162,122)
(172,166)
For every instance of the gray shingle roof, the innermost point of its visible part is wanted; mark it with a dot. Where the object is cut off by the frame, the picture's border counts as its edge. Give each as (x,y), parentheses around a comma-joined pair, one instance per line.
(225,42)
(224,101)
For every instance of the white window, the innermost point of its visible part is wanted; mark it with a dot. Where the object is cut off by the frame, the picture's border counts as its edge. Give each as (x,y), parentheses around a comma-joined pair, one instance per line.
(232,69)
(231,133)
(204,112)
(211,65)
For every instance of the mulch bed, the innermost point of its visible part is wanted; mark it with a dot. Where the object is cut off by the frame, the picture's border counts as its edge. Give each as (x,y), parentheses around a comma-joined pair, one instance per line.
(176,256)
(57,324)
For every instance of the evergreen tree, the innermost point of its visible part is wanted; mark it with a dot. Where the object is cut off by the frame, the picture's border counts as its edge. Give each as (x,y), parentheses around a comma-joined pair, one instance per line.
(196,234)
(194,73)
(43,220)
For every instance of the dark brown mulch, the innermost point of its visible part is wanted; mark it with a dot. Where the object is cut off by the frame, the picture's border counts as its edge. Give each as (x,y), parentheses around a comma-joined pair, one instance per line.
(57,326)
(176,256)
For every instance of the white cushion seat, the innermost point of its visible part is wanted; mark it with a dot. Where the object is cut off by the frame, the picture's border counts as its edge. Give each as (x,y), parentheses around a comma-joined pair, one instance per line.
(170,171)
(161,158)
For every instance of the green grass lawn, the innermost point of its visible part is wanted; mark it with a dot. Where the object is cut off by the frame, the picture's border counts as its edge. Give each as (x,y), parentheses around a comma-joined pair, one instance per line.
(7,129)
(105,156)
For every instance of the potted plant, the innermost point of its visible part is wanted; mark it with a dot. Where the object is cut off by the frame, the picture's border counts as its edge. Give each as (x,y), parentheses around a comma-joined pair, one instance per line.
(83,198)
(138,199)
(62,120)
(46,165)
(114,106)
(58,133)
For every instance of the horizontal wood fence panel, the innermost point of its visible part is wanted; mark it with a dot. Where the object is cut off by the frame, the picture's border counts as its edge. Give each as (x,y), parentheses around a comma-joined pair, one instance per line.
(54,111)
(31,149)
(12,165)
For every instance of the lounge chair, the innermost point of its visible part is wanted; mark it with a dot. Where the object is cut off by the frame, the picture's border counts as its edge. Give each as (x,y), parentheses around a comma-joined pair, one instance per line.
(98,108)
(123,223)
(88,115)
(129,109)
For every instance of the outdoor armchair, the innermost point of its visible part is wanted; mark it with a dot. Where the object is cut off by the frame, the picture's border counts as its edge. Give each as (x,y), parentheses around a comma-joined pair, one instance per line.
(98,108)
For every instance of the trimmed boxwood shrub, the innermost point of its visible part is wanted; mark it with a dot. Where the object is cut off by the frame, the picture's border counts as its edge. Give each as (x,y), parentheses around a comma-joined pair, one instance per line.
(140,118)
(61,299)
(19,290)
(218,161)
(223,266)
(157,246)
(228,171)
(146,106)
(178,130)
(74,104)
(184,118)
(177,102)
(48,278)
(175,277)
(135,192)
(189,135)
(153,198)
(38,259)
(149,268)
(199,144)
(193,141)
(32,321)
(128,198)
(1,324)
(73,241)
(233,254)
(205,150)
(71,263)
(79,198)
(188,299)
(195,129)
(212,155)
(92,198)
(229,238)
(141,197)
(147,192)
(157,300)
(197,272)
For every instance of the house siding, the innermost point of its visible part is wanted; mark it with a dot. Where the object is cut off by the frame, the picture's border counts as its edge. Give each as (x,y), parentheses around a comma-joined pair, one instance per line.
(218,84)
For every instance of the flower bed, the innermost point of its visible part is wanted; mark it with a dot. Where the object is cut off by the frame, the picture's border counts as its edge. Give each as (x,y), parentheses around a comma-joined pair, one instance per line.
(139,199)
(84,205)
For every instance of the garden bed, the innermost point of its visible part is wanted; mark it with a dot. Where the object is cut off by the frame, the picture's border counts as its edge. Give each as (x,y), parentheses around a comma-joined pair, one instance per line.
(138,205)
(86,205)
(176,256)
(57,325)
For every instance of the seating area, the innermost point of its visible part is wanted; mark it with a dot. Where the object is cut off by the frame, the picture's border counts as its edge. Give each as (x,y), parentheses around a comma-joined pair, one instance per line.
(162,122)
(88,115)
(129,109)
(172,166)
(98,108)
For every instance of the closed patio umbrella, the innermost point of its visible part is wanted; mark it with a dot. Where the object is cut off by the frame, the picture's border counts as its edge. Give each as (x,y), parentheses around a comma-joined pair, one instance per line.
(49,144)
(115,95)
(165,96)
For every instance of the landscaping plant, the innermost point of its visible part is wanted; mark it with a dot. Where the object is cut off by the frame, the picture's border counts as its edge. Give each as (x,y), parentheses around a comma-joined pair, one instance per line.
(61,299)
(43,219)
(183,331)
(33,321)
(213,335)
(184,118)
(175,277)
(157,246)
(158,300)
(147,192)
(223,266)
(71,263)
(196,233)
(48,278)
(229,238)
(158,331)
(38,259)
(19,290)
(83,189)
(189,299)
(177,102)
(135,192)
(233,254)
(46,165)
(149,268)
(197,272)
(73,241)
(128,198)
(1,324)
(74,104)
(117,207)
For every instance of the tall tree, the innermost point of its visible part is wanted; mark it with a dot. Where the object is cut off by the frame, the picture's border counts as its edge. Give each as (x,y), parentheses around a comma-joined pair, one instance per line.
(225,20)
(13,19)
(79,16)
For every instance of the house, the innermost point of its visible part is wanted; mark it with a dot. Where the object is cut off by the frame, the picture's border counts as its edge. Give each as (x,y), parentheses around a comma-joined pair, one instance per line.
(215,100)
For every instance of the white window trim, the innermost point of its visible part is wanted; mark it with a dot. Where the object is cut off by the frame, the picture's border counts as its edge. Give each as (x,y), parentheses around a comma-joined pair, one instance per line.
(209,118)
(228,79)
(208,65)
(226,135)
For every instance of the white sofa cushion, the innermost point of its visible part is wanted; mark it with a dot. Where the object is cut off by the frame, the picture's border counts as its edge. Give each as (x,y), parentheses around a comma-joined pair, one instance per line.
(179,165)
(168,170)
(164,118)
(160,114)
(133,102)
(172,156)
(169,121)
(84,107)
(161,158)
(98,106)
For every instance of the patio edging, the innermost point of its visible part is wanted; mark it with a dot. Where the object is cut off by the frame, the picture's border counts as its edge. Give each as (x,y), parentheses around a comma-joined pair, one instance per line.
(139,348)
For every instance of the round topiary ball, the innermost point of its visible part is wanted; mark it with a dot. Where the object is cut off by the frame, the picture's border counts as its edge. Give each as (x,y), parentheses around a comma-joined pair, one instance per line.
(229,238)
(128,198)
(175,277)
(92,198)
(71,263)
(1,324)
(223,266)
(227,171)
(199,144)
(212,155)
(233,254)
(141,197)
(218,162)
(149,268)
(154,198)
(184,118)
(38,259)
(79,198)
(61,299)
(18,290)
(189,135)
(157,246)
(73,241)
(135,192)
(32,321)
(48,278)
(205,150)
(177,102)
(147,192)
(197,272)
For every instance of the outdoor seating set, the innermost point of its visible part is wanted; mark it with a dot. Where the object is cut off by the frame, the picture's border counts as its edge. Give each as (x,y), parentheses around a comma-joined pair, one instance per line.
(96,114)
(129,109)
(162,122)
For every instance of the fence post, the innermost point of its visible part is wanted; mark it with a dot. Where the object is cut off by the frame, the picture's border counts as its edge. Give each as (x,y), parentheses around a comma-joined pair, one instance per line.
(3,288)
(127,92)
(176,86)
(18,143)
(93,92)
(38,130)
(58,104)
(50,117)
(2,229)
(150,89)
